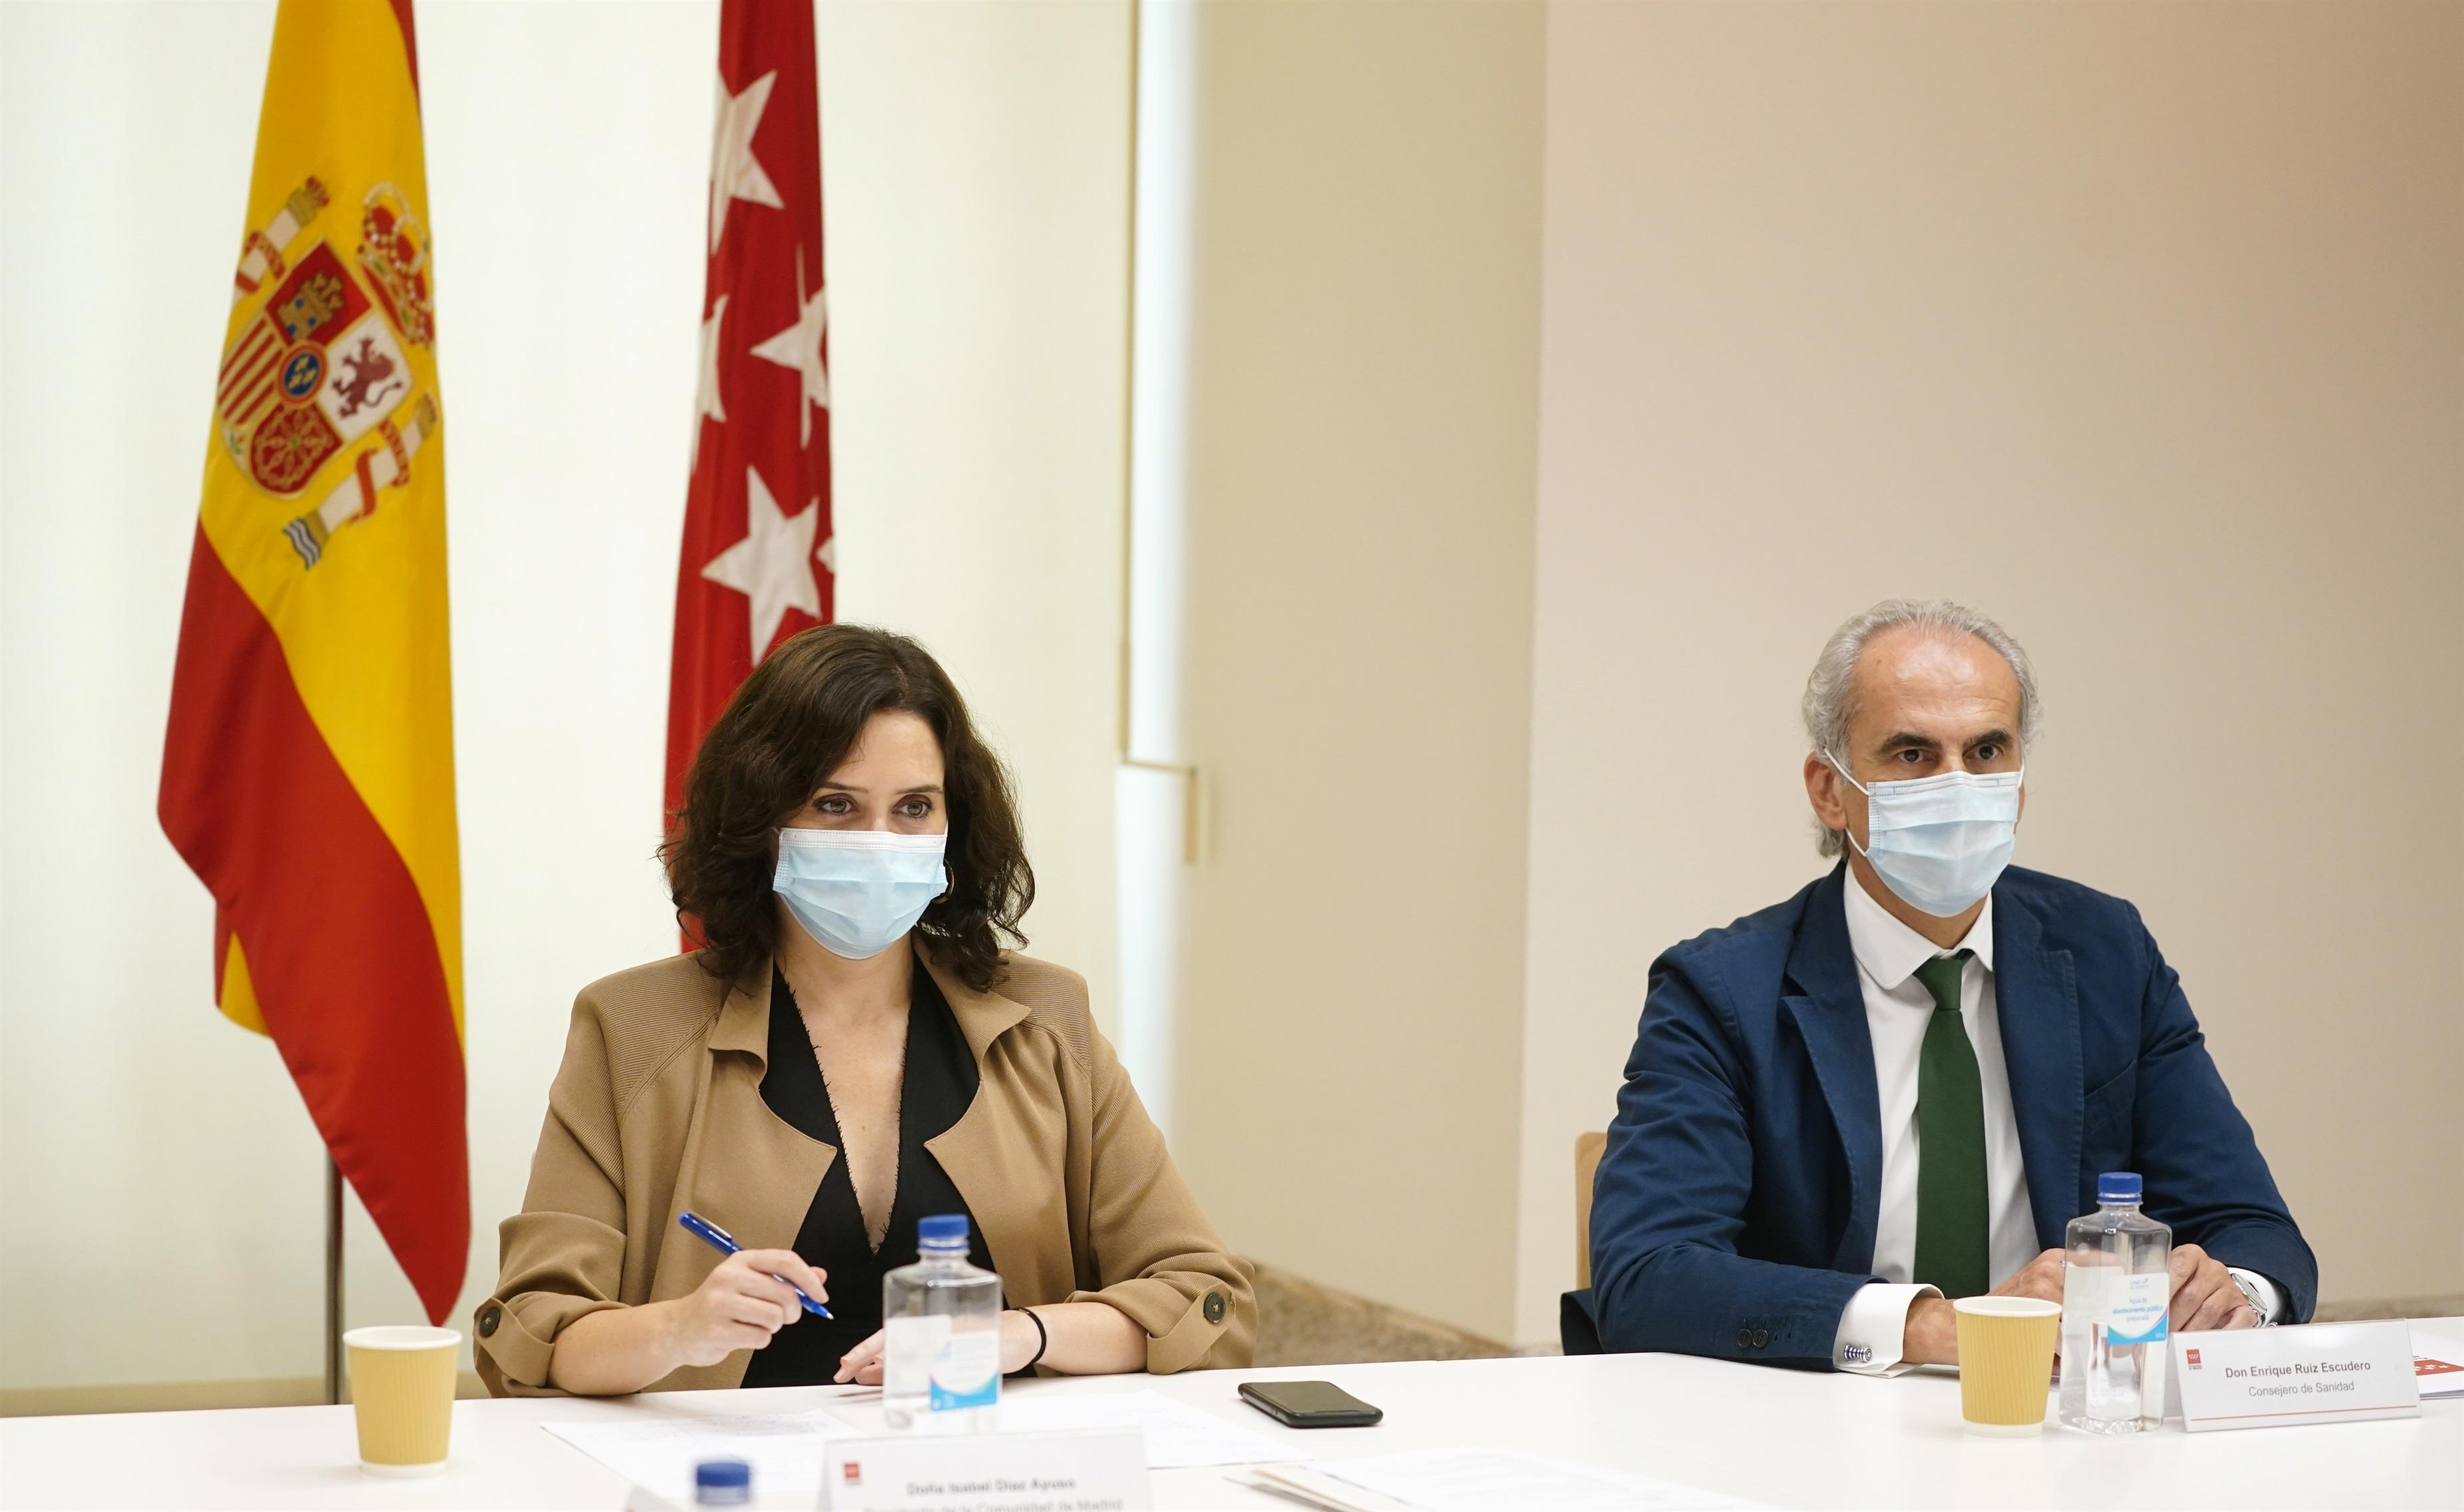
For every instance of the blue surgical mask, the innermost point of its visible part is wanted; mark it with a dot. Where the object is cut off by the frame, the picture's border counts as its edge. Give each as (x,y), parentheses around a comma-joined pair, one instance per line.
(1940,842)
(857,892)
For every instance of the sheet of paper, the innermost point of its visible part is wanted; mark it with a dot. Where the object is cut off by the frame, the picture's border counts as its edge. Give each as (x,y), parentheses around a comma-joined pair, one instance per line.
(1178,1436)
(2437,1363)
(1481,1480)
(659,1453)
(1311,1487)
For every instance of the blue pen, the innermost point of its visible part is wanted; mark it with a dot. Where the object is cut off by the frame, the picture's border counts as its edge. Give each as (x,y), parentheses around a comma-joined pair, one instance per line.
(724,1242)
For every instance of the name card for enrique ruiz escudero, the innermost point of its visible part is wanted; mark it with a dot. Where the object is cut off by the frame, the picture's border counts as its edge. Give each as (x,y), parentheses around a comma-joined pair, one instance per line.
(2282,1377)
(1087,1472)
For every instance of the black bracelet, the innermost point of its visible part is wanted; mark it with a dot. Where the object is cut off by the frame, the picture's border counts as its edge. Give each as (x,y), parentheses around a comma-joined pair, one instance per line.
(1042,1341)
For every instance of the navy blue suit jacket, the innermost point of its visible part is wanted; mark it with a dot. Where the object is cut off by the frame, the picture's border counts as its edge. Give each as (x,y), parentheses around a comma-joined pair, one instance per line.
(1734,1210)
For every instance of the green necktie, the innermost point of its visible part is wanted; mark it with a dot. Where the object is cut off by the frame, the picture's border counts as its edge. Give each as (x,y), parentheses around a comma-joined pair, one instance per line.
(1951,1227)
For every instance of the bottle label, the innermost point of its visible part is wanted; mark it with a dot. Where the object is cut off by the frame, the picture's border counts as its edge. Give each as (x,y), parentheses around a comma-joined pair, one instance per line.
(966,1369)
(2134,1305)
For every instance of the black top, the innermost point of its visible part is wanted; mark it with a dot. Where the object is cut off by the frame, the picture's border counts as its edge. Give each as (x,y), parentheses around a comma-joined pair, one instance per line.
(940,1082)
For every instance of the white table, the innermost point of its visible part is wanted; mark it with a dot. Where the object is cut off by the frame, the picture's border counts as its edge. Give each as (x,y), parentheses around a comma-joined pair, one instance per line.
(1791,1439)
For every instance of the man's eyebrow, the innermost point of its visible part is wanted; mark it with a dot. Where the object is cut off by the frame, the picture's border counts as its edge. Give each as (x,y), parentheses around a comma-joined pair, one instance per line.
(1992,737)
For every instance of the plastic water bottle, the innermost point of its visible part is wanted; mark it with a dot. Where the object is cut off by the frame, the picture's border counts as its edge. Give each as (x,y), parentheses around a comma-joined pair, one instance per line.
(941,1364)
(722,1483)
(2117,1290)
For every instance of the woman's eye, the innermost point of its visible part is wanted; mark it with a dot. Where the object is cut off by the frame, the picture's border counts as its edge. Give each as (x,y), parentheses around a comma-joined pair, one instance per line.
(916,807)
(832,805)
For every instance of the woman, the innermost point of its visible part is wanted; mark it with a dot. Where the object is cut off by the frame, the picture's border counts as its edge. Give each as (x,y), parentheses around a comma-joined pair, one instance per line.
(850,1051)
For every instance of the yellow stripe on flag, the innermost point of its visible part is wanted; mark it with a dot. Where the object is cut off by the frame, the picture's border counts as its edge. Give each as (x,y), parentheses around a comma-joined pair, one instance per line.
(239,994)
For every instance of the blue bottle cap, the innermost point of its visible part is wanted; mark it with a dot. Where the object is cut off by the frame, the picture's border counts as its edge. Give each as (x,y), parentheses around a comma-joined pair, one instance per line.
(2118,1186)
(942,1231)
(723,1483)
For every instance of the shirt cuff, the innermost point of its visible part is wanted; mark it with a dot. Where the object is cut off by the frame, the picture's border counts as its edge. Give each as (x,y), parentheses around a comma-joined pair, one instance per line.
(1874,1326)
(2271,1297)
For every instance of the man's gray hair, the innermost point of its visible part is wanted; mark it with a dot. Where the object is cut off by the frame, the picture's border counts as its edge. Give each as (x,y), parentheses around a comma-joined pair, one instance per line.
(1830,691)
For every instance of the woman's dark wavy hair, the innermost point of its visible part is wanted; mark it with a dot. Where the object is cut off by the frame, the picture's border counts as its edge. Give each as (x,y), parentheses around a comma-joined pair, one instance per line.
(788,728)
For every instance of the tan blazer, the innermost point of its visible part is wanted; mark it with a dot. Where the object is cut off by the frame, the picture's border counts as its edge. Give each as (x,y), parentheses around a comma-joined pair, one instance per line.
(657,1109)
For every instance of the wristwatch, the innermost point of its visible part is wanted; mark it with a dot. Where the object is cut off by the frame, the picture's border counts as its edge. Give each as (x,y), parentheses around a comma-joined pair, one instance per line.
(2250,1295)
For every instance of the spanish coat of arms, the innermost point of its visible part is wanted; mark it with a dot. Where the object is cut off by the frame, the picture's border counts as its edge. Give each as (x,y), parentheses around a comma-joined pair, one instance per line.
(321,363)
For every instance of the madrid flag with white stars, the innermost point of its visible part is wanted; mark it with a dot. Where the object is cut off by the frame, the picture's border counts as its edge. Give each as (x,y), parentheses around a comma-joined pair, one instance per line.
(756,561)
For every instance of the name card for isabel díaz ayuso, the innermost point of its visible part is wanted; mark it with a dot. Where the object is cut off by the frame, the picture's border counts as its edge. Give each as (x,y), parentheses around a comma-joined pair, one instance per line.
(2283,1377)
(1090,1472)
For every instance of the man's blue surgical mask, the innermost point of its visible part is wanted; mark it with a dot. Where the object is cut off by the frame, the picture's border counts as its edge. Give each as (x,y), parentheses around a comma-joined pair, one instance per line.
(857,892)
(1940,842)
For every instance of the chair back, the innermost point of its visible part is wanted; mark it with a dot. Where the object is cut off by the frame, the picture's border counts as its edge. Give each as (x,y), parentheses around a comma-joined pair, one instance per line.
(1588,1146)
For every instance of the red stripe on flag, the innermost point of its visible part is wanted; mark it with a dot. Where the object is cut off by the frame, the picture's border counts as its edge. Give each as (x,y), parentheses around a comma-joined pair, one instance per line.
(258,404)
(338,945)
(255,371)
(409,43)
(244,355)
(251,404)
(253,363)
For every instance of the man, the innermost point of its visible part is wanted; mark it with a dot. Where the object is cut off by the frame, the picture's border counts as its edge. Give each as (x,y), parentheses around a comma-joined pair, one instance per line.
(1898,1086)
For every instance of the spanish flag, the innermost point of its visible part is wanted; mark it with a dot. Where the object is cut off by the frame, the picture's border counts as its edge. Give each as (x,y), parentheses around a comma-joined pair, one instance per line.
(308,771)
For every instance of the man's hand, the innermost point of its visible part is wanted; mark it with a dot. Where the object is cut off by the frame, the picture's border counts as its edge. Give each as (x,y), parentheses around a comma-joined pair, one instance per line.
(2204,1294)
(2040,1277)
(1932,1335)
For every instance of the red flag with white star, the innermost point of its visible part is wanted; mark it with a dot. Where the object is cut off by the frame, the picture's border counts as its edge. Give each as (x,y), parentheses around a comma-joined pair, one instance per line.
(756,561)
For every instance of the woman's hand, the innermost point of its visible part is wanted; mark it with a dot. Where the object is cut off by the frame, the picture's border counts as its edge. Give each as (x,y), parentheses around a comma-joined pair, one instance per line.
(737,1306)
(861,1365)
(1020,1339)
(1077,1339)
(741,1305)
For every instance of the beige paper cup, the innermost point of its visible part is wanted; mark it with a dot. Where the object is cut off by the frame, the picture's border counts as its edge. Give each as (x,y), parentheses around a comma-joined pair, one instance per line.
(2006,1361)
(402,1392)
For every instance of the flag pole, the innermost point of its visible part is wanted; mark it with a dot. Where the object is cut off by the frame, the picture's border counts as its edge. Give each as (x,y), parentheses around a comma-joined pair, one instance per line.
(333,1280)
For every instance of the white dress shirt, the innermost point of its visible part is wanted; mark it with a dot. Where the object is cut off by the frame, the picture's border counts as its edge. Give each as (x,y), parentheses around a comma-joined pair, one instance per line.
(1897,1010)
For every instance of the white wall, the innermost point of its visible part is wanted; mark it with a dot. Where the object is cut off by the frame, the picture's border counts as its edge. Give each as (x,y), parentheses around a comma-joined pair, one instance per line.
(977,156)
(976,161)
(2139,327)
(132,1115)
(1363,367)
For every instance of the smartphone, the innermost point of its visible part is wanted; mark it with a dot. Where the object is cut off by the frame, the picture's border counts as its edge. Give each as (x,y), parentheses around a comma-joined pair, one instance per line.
(1309,1404)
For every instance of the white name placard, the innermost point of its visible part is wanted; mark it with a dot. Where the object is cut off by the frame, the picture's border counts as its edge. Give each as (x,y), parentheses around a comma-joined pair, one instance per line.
(2282,1377)
(1093,1472)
